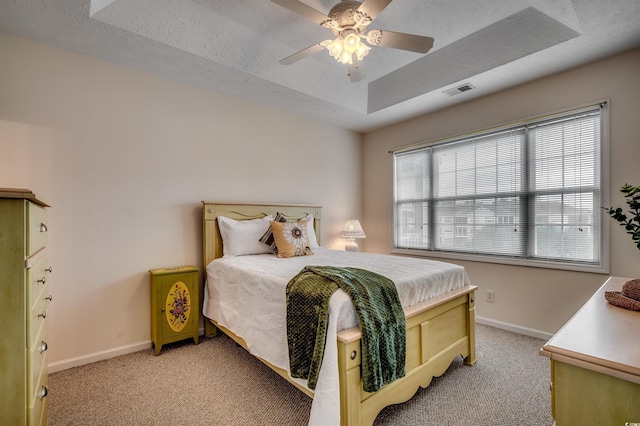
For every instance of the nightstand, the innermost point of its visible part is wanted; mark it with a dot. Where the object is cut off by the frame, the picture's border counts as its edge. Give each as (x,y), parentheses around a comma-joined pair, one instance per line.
(175,305)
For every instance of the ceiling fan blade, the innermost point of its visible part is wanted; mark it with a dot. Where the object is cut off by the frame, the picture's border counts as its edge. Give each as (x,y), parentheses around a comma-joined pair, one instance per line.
(412,42)
(372,8)
(302,54)
(302,9)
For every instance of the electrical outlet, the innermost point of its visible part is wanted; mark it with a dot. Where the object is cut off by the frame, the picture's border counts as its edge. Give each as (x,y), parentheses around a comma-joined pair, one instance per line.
(491,296)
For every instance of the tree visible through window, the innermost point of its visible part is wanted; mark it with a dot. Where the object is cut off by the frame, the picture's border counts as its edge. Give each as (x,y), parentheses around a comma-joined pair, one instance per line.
(530,191)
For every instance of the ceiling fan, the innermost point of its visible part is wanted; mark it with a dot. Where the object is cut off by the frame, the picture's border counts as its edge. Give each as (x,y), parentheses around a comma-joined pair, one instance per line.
(348,20)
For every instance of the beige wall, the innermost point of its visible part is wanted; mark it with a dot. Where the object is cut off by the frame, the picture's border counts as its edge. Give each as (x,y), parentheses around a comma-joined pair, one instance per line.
(125,158)
(527,298)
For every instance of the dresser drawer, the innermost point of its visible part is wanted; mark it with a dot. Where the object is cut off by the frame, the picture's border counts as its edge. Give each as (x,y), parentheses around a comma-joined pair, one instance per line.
(37,277)
(37,229)
(36,321)
(37,361)
(43,410)
(37,414)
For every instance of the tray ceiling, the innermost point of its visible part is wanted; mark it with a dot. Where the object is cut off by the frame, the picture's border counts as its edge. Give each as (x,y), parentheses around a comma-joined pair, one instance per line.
(233,47)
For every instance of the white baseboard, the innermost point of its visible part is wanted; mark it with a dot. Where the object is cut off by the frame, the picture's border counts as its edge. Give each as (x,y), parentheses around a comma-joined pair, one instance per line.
(127,349)
(515,328)
(97,356)
(101,356)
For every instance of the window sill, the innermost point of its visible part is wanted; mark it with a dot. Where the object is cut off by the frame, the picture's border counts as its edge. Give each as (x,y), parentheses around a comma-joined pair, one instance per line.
(566,266)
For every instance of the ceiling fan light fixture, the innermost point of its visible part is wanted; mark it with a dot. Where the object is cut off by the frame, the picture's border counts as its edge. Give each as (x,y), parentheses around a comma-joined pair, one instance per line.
(346,58)
(351,42)
(335,48)
(347,48)
(362,51)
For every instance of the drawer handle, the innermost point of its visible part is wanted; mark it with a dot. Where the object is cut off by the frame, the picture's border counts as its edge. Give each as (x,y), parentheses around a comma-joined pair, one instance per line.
(353,355)
(43,392)
(49,269)
(43,227)
(43,347)
(49,298)
(43,280)
(42,315)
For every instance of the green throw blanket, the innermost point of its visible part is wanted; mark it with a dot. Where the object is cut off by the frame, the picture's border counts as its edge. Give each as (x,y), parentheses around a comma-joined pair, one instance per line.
(380,316)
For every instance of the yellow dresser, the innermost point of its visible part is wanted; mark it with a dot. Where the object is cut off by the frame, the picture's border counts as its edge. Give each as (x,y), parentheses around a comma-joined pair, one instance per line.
(25,296)
(595,364)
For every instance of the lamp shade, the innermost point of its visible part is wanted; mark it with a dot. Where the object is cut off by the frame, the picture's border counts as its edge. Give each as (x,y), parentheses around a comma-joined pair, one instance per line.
(352,229)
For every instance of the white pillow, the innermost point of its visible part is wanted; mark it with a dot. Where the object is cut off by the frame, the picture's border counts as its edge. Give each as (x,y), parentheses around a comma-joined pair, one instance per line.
(240,237)
(313,240)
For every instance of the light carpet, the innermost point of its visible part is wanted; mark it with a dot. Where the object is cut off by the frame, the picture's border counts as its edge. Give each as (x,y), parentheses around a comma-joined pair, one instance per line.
(219,383)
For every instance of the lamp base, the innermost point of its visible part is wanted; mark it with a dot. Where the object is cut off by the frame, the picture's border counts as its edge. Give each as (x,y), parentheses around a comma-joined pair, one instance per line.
(351,245)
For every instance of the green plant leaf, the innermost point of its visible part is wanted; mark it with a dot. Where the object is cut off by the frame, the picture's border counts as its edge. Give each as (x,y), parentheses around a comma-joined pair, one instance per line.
(632,193)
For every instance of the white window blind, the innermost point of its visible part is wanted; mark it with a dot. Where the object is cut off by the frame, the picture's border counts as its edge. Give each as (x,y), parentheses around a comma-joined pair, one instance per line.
(530,191)
(565,188)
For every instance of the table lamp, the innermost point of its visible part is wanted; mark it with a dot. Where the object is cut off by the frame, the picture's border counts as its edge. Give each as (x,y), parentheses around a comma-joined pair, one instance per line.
(352,230)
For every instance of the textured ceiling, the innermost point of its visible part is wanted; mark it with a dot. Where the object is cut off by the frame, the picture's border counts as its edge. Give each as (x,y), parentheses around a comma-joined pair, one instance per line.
(233,47)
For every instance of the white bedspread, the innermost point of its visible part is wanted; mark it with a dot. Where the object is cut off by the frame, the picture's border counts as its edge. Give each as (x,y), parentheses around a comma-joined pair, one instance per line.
(246,294)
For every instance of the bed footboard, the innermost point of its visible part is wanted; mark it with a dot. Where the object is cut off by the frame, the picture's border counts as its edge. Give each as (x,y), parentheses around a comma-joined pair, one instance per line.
(438,330)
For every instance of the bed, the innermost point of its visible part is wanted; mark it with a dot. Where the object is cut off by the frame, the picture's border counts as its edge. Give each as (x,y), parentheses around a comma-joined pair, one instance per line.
(440,325)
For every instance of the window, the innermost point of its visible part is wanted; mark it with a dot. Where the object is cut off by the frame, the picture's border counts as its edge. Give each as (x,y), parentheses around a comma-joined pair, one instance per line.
(529,193)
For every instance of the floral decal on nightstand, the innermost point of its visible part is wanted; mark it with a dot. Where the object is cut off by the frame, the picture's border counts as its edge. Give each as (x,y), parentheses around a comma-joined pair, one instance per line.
(178,306)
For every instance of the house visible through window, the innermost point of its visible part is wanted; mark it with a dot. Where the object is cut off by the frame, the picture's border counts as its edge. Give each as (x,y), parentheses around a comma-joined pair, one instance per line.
(530,192)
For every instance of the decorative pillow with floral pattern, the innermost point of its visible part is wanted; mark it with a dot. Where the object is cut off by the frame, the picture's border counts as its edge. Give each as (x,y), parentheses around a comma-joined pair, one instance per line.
(292,238)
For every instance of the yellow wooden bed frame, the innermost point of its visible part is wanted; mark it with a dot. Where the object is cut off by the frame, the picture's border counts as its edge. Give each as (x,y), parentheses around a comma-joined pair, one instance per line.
(438,330)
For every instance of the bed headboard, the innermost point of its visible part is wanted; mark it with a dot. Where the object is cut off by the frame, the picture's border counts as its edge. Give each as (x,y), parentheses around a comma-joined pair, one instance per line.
(211,239)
